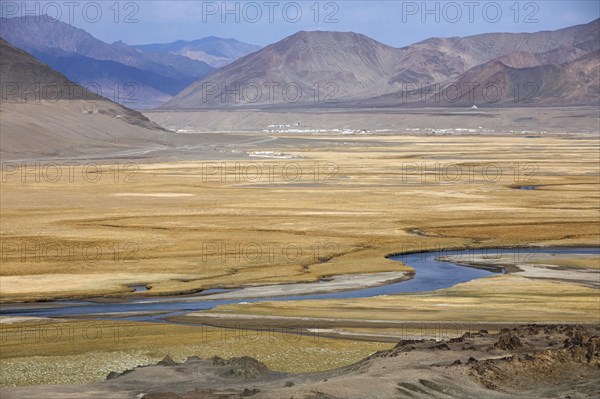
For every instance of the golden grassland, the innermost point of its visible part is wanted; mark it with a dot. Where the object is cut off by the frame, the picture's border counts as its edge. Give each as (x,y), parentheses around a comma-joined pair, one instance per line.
(68,352)
(184,226)
(179,227)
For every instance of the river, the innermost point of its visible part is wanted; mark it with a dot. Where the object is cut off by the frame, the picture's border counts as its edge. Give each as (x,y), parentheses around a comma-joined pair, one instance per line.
(430,274)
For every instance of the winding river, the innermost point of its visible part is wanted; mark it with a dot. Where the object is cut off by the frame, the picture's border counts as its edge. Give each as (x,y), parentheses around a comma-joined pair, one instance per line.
(430,274)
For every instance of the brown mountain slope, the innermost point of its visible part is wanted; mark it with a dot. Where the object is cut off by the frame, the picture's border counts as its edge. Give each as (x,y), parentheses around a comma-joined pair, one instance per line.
(562,76)
(496,83)
(353,69)
(45,114)
(446,58)
(573,83)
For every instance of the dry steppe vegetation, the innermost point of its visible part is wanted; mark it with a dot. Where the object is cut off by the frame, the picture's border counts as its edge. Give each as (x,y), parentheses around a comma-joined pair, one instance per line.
(184,227)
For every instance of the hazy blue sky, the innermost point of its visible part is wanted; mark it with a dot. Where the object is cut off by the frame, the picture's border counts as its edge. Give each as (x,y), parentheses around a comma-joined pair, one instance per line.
(396,23)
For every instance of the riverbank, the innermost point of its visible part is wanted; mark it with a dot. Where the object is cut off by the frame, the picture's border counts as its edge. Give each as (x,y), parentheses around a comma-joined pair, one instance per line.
(506,298)
(576,268)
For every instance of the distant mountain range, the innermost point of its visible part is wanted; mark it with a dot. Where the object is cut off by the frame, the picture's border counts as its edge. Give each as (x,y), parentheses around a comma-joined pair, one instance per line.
(215,51)
(326,69)
(129,75)
(44,114)
(348,69)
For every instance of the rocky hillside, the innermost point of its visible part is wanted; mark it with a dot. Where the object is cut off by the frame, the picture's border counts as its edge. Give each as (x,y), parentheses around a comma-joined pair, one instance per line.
(529,361)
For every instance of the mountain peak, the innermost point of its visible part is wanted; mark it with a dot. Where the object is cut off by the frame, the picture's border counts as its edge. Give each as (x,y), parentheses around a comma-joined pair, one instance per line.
(317,35)
(323,42)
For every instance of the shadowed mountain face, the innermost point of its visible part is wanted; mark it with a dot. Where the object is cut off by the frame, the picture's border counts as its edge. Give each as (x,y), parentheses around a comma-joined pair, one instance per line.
(23,76)
(316,68)
(44,114)
(123,73)
(215,51)
(27,80)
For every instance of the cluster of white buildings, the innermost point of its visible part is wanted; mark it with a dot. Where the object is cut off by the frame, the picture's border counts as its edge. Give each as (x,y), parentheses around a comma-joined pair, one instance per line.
(295,128)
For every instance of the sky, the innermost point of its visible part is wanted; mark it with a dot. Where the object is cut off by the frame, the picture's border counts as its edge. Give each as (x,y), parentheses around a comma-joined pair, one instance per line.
(395,23)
